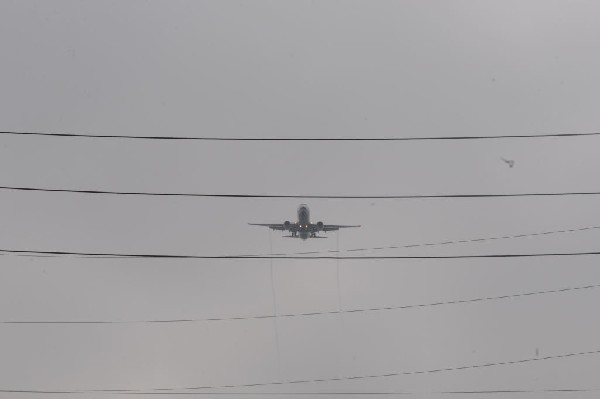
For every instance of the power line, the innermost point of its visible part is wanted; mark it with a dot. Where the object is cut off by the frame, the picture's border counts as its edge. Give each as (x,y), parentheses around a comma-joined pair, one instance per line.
(406,373)
(299,196)
(335,393)
(313,314)
(430,244)
(108,255)
(161,391)
(431,138)
(350,310)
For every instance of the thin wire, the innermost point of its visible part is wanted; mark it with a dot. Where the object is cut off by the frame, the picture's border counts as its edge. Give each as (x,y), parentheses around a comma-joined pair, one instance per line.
(388,393)
(316,380)
(406,373)
(337,274)
(275,310)
(430,244)
(342,343)
(297,196)
(332,312)
(107,255)
(122,136)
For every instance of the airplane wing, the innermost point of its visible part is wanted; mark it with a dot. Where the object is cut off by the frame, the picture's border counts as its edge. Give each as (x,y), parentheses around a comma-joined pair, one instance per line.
(334,227)
(279,226)
(311,237)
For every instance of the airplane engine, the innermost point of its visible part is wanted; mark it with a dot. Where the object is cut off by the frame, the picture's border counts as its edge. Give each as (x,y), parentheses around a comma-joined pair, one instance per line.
(286,225)
(320,225)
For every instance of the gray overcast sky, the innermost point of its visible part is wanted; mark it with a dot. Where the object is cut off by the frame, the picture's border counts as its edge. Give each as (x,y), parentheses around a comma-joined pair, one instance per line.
(297,69)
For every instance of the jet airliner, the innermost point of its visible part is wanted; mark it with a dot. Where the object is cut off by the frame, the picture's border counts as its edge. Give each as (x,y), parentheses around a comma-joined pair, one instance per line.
(303,228)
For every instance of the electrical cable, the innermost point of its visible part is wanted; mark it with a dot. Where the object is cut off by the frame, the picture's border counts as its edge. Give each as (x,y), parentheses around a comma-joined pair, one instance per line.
(445,138)
(317,380)
(297,196)
(430,244)
(108,255)
(334,393)
(322,313)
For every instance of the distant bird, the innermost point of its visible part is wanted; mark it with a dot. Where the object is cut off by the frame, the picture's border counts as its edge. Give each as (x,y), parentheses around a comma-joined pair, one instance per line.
(509,162)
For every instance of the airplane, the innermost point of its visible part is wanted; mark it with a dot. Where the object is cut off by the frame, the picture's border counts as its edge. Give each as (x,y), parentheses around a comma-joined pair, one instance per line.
(303,228)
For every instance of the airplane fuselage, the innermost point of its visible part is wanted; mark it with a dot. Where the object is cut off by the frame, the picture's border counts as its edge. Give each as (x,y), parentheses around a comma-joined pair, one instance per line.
(303,221)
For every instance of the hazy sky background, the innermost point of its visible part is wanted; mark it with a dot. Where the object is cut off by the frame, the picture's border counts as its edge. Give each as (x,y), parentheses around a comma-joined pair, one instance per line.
(297,69)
